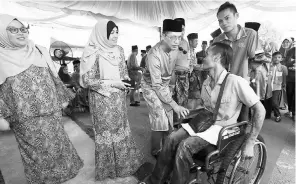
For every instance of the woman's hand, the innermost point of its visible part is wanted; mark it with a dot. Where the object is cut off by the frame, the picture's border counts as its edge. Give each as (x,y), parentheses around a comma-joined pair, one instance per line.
(120,85)
(4,125)
(127,78)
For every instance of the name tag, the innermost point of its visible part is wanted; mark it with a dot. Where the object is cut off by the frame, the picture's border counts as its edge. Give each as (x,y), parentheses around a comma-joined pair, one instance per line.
(279,74)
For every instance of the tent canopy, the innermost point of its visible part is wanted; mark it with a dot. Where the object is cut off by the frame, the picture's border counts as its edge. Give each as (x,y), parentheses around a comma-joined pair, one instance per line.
(141,19)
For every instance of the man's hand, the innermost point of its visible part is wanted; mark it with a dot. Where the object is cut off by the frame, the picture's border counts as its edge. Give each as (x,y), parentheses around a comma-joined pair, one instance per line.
(248,150)
(181,111)
(79,90)
(65,105)
(4,125)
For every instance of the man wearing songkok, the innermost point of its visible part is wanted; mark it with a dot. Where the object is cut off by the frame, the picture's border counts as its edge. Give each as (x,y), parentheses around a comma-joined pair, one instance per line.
(180,81)
(202,54)
(155,84)
(194,76)
(244,42)
(258,67)
(143,61)
(135,75)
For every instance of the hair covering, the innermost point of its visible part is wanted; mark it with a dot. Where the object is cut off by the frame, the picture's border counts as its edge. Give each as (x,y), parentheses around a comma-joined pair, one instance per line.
(253,25)
(66,78)
(14,60)
(192,36)
(134,47)
(148,47)
(285,50)
(110,26)
(181,20)
(216,33)
(171,25)
(204,42)
(99,45)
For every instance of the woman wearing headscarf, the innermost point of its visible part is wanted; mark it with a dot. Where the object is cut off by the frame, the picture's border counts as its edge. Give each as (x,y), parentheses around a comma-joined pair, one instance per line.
(31,99)
(102,70)
(64,74)
(285,47)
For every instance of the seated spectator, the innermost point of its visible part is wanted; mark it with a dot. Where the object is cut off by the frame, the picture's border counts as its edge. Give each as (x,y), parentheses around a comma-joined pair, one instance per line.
(177,152)
(64,75)
(80,102)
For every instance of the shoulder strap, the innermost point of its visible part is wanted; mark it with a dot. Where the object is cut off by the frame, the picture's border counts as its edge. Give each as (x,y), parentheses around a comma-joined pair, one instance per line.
(216,110)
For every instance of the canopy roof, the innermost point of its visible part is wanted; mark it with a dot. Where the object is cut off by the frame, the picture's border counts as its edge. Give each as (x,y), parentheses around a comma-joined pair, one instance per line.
(144,17)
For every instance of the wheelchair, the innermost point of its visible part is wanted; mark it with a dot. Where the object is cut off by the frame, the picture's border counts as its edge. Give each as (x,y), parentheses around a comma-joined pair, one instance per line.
(223,164)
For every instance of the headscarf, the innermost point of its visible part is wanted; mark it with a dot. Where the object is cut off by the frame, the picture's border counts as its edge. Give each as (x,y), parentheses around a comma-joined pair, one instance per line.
(66,78)
(14,60)
(98,44)
(285,50)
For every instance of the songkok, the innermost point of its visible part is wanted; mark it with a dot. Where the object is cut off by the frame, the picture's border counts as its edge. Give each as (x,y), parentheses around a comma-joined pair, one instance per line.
(134,47)
(143,51)
(180,20)
(192,36)
(216,33)
(148,47)
(204,42)
(253,25)
(171,25)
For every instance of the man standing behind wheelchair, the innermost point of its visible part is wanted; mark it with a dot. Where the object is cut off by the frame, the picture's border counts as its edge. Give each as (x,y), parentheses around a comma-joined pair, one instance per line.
(180,146)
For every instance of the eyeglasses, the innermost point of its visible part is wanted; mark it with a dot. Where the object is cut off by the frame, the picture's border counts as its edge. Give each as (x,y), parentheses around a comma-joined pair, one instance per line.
(174,38)
(15,30)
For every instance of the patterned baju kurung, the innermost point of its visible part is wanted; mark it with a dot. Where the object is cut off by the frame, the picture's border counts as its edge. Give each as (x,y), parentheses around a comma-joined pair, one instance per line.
(116,153)
(31,102)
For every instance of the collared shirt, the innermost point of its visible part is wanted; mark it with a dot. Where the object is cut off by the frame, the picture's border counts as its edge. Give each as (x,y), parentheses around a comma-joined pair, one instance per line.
(244,47)
(182,60)
(279,73)
(132,63)
(158,72)
(236,93)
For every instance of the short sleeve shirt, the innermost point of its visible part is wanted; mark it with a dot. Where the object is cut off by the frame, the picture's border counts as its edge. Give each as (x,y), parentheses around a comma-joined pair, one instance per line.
(244,47)
(236,93)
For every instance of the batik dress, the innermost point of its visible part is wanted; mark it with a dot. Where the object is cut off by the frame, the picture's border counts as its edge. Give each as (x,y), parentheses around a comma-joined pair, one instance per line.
(116,153)
(31,102)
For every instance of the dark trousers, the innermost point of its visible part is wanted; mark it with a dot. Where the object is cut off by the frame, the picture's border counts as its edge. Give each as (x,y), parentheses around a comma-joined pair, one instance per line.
(276,97)
(291,97)
(157,141)
(176,157)
(268,107)
(1,178)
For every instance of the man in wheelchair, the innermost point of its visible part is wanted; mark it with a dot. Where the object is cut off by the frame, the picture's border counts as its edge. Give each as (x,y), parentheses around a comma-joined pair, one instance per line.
(176,154)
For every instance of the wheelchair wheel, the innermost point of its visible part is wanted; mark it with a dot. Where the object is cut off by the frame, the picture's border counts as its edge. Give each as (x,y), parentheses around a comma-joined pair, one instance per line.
(238,171)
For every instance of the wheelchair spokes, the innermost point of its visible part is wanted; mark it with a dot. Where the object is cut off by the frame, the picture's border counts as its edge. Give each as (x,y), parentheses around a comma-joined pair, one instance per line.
(247,171)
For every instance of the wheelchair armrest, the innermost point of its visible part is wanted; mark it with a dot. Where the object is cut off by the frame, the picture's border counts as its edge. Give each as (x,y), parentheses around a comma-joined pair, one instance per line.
(220,137)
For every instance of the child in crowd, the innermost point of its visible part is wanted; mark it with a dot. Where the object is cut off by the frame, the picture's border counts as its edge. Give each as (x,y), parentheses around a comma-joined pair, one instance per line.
(277,82)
